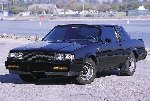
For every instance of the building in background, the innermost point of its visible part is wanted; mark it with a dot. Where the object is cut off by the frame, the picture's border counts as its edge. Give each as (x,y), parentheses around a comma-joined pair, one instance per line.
(141,11)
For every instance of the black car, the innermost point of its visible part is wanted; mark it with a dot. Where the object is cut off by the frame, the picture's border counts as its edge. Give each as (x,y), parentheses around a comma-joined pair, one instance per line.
(79,51)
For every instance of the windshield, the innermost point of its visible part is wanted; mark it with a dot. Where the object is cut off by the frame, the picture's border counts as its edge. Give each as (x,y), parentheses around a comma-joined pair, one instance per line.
(62,33)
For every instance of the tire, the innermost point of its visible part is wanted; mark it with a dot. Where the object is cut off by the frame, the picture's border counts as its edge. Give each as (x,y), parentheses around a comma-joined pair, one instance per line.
(28,78)
(88,74)
(129,67)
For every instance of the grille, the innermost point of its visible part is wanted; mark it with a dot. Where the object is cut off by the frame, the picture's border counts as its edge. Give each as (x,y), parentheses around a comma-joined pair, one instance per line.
(38,57)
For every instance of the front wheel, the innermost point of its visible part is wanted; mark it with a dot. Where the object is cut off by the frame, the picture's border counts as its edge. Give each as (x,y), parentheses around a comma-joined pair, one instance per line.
(129,67)
(28,78)
(88,73)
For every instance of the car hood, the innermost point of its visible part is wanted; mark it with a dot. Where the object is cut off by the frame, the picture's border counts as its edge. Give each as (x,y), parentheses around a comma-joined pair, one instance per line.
(52,46)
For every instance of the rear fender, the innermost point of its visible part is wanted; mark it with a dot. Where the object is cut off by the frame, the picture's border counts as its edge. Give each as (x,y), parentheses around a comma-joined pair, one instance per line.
(134,50)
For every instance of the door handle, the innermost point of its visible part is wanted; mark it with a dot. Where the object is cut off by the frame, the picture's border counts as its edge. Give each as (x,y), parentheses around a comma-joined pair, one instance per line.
(120,44)
(122,47)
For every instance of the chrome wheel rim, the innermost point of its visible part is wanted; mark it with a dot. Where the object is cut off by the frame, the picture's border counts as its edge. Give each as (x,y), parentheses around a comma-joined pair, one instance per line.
(87,72)
(132,64)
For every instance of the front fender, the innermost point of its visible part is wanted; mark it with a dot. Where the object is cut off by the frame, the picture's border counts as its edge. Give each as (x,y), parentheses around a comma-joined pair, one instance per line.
(92,56)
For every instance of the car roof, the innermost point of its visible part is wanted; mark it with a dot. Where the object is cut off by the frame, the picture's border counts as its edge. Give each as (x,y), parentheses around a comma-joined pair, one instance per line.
(89,25)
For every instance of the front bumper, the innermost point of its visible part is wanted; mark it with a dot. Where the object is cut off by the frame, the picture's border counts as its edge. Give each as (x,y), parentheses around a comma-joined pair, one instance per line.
(45,69)
(45,74)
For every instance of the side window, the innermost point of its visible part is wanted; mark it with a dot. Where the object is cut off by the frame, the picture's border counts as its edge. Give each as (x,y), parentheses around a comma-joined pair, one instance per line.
(108,33)
(118,36)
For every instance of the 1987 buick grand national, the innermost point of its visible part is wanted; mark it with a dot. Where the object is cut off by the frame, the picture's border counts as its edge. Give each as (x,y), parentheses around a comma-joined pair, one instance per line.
(79,51)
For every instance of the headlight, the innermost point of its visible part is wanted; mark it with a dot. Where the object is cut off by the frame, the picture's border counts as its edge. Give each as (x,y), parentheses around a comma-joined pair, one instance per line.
(15,55)
(64,57)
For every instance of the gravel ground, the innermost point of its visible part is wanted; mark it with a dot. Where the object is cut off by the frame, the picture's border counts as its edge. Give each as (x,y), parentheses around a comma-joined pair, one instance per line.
(105,88)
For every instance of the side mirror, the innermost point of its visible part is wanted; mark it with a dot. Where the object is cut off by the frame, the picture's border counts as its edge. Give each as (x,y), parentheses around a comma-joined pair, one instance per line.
(140,39)
(42,39)
(107,40)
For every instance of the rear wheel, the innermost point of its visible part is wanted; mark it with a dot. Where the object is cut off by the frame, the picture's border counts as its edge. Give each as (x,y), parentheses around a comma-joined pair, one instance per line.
(28,78)
(88,73)
(129,67)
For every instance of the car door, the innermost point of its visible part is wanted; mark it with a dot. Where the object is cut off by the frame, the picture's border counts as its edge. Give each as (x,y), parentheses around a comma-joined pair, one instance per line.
(110,49)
